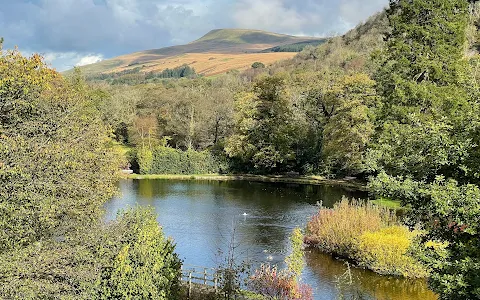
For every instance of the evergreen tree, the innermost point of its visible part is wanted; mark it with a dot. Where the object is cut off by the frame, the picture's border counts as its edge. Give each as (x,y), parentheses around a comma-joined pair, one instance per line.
(427,130)
(429,104)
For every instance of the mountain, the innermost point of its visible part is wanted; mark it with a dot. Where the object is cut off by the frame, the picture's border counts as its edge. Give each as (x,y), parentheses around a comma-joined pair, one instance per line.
(216,52)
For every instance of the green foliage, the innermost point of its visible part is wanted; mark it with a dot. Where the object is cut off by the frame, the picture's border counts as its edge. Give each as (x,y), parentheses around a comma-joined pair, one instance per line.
(56,165)
(427,93)
(166,160)
(145,160)
(449,213)
(136,76)
(95,264)
(349,125)
(258,65)
(57,168)
(296,47)
(264,135)
(144,265)
(294,260)
(428,132)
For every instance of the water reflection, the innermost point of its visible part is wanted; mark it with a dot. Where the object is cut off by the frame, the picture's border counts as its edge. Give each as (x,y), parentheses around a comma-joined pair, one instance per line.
(201,216)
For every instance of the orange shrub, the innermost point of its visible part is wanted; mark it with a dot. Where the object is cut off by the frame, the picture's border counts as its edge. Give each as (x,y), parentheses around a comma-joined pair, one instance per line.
(282,285)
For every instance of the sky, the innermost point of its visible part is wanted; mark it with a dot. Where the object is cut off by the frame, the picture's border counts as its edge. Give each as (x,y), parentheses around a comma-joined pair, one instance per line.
(72,33)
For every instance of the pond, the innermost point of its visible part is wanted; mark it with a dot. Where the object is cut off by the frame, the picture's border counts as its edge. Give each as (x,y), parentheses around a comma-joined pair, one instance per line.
(203,217)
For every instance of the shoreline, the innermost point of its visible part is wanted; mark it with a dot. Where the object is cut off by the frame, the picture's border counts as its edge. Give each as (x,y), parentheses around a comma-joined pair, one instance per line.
(307,180)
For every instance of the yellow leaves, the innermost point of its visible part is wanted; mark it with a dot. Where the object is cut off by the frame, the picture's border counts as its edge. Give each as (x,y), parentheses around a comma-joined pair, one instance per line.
(122,262)
(386,252)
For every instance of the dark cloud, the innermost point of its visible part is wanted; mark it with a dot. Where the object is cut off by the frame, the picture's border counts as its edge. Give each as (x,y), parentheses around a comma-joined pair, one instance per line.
(80,31)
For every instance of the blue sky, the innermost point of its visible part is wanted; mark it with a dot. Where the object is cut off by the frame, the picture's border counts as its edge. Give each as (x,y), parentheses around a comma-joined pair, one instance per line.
(77,32)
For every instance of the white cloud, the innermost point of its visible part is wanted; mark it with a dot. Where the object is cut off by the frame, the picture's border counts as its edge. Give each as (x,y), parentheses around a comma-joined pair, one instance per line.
(62,61)
(89,59)
(267,15)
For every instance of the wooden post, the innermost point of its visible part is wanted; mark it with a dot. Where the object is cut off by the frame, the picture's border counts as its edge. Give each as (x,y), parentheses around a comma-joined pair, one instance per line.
(189,284)
(215,282)
(205,276)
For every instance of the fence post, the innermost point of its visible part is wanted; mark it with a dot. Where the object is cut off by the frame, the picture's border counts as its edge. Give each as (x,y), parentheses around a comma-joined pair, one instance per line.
(205,276)
(189,284)
(215,282)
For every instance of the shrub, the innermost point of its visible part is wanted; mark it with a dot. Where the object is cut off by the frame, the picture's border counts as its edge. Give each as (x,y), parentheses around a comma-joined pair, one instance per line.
(386,252)
(282,285)
(335,230)
(145,160)
(285,284)
(140,261)
(258,65)
(166,160)
(367,234)
(294,261)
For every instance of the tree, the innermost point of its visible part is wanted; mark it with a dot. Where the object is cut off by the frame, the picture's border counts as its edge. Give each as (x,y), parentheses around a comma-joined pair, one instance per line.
(57,169)
(349,127)
(427,131)
(54,146)
(258,65)
(264,133)
(427,91)
(339,109)
(142,263)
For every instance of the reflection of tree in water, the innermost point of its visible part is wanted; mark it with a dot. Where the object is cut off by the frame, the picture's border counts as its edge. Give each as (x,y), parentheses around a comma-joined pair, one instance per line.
(271,195)
(367,282)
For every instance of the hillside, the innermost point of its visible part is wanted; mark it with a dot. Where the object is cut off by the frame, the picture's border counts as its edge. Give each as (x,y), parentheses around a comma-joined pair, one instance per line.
(217,52)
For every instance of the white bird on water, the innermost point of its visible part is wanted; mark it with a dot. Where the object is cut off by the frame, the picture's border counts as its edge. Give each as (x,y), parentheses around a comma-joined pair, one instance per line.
(245,214)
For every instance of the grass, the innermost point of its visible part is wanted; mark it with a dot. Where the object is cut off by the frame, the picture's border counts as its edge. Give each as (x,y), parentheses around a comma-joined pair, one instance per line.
(388,203)
(201,62)
(335,230)
(313,180)
(367,234)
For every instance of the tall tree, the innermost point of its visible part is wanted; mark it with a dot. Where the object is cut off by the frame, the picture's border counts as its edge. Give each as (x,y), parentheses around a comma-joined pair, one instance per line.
(427,91)
(57,169)
(427,131)
(264,133)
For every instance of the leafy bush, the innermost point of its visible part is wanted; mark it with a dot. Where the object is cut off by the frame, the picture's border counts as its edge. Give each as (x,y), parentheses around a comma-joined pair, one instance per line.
(294,261)
(367,234)
(258,65)
(166,160)
(336,230)
(141,262)
(145,160)
(386,252)
(282,285)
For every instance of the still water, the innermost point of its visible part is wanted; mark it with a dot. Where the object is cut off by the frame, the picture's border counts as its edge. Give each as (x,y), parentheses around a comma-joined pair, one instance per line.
(204,217)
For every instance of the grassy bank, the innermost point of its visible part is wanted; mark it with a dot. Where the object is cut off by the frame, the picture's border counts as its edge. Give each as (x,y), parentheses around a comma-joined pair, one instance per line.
(314,180)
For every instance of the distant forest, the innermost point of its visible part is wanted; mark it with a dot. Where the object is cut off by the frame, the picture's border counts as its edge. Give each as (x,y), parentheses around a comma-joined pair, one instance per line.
(296,47)
(136,76)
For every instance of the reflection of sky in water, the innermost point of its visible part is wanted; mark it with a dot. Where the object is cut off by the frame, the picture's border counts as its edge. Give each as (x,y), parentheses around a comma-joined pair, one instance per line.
(201,216)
